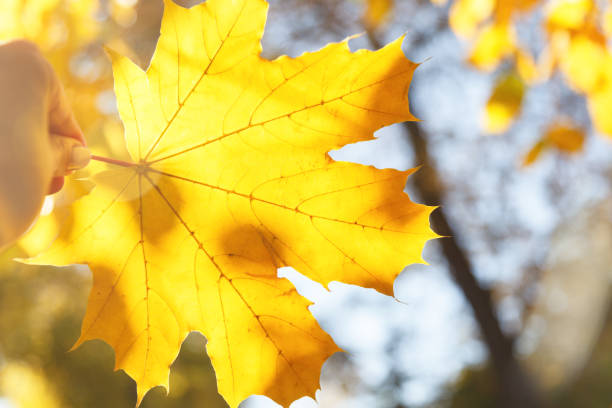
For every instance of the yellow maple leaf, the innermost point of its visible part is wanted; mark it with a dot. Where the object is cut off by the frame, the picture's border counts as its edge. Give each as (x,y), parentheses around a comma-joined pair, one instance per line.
(55,212)
(229,180)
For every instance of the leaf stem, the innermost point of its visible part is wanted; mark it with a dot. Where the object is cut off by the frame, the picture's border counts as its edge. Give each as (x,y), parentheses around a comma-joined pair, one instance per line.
(113,161)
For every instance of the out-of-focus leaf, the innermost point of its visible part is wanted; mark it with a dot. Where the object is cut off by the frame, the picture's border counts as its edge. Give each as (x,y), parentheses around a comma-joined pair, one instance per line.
(25,387)
(504,104)
(489,25)
(576,45)
(377,12)
(466,15)
(495,42)
(506,9)
(569,14)
(583,62)
(600,99)
(534,153)
(563,135)
(526,67)
(606,22)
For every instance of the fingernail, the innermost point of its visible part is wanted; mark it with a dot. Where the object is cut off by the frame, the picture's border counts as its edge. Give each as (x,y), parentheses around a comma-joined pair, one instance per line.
(80,158)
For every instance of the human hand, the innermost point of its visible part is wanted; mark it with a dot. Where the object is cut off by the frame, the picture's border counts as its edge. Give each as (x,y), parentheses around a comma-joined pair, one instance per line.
(40,141)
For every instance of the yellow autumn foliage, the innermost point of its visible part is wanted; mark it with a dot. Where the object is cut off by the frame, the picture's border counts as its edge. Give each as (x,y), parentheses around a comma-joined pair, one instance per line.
(579,49)
(577,45)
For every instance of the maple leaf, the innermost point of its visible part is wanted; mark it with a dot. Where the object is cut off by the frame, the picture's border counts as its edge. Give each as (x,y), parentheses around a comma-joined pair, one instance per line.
(230,179)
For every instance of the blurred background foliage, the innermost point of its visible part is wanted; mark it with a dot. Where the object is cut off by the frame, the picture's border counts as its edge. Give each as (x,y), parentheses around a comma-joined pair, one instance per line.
(515,143)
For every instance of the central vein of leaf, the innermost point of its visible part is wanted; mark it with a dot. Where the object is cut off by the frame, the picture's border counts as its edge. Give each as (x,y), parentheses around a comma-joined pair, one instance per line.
(141,167)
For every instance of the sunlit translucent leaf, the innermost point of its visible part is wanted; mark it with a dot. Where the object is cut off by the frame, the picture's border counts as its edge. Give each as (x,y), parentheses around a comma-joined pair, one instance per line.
(47,227)
(230,179)
(504,104)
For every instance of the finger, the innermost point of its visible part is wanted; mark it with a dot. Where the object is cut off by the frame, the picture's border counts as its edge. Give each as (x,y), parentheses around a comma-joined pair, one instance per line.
(70,155)
(61,118)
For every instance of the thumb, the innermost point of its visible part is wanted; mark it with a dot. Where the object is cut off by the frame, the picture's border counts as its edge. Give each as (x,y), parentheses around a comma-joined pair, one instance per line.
(69,155)
(61,118)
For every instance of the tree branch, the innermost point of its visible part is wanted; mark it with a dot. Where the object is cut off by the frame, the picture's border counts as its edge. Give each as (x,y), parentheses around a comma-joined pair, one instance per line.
(515,387)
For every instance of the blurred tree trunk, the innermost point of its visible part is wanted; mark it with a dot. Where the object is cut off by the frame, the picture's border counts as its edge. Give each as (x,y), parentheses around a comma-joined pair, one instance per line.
(516,388)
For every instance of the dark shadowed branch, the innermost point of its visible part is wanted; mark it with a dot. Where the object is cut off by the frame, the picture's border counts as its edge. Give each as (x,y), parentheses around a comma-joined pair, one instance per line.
(514,385)
(516,388)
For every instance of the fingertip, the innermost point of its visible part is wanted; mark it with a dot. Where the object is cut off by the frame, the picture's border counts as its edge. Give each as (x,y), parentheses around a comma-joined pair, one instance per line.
(79,158)
(20,45)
